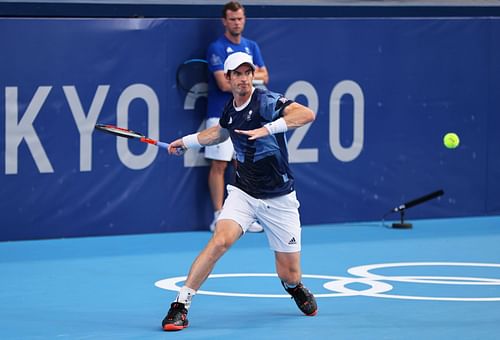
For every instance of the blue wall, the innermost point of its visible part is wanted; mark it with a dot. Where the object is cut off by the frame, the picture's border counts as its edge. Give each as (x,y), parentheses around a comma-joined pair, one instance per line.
(385,92)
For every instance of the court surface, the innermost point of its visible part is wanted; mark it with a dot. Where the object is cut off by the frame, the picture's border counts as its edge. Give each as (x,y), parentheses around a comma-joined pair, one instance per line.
(439,280)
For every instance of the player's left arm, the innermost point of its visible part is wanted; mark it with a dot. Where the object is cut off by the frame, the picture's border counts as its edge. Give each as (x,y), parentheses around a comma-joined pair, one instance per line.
(297,115)
(294,116)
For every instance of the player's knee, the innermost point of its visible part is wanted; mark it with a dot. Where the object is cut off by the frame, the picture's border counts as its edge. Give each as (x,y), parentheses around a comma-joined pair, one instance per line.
(218,167)
(220,244)
(289,276)
(289,272)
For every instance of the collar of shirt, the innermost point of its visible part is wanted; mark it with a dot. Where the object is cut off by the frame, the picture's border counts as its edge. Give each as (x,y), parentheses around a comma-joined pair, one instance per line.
(245,104)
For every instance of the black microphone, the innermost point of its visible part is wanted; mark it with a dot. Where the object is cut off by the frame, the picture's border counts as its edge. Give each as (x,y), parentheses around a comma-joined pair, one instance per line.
(418,200)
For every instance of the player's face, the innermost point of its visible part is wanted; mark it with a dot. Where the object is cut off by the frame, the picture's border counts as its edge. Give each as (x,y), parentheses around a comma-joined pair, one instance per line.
(241,80)
(234,22)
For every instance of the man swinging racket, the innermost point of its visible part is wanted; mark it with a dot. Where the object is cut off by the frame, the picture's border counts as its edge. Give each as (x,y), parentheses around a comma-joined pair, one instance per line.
(256,121)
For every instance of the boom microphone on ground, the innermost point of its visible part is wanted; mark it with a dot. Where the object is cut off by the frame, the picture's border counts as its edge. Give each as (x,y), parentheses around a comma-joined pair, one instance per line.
(419,200)
(401,208)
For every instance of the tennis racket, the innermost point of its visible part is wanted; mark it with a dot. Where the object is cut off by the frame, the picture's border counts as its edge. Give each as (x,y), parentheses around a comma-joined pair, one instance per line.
(126,133)
(192,76)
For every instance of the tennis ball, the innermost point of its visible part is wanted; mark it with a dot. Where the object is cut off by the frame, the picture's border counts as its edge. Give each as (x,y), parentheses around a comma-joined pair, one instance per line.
(451,140)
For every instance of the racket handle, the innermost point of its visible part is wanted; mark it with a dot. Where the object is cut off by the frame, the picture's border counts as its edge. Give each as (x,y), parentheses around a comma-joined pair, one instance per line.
(178,151)
(162,145)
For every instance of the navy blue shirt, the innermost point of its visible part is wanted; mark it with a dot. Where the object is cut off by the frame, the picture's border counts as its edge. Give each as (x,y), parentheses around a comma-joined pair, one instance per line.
(262,169)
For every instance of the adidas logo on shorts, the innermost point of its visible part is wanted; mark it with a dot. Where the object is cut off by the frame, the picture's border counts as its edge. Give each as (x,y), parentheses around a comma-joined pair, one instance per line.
(292,241)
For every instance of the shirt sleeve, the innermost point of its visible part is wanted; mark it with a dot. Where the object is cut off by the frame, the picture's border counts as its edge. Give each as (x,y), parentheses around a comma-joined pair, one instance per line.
(215,57)
(224,119)
(272,105)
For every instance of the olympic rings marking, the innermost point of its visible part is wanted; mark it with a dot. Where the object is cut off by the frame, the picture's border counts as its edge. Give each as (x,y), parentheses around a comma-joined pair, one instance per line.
(364,271)
(171,284)
(377,288)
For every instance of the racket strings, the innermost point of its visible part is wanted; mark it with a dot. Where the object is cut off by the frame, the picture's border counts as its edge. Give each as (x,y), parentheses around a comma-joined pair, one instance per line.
(118,131)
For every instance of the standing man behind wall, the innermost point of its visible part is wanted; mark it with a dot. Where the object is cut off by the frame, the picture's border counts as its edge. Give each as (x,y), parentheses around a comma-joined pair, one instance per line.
(219,92)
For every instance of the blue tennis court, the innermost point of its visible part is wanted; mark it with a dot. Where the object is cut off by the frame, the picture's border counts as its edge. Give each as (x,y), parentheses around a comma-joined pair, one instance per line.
(439,280)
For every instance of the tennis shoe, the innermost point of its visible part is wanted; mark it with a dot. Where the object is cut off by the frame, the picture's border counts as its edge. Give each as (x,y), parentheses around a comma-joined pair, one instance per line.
(176,318)
(303,298)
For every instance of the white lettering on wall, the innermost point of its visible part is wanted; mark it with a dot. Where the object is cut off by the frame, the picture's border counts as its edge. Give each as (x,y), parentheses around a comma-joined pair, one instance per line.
(147,94)
(85,122)
(18,130)
(195,157)
(297,155)
(347,87)
(19,126)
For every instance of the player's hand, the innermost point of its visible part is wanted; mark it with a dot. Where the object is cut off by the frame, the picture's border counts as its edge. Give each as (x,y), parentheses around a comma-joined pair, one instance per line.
(177,148)
(254,134)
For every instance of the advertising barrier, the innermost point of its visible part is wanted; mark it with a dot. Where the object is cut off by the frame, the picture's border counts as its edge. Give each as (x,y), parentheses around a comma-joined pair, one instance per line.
(385,91)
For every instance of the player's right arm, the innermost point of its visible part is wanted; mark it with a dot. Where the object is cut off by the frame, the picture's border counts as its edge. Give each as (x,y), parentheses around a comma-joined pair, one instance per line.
(214,135)
(211,136)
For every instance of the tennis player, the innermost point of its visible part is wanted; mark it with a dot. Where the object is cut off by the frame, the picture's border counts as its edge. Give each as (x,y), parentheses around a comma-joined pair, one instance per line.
(256,121)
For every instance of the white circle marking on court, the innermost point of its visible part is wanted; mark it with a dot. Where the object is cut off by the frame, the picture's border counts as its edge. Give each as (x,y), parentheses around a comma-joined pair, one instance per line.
(377,288)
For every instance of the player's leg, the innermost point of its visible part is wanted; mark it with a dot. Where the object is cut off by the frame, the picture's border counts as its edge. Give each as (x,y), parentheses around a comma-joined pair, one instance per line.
(288,267)
(228,232)
(282,220)
(237,214)
(289,272)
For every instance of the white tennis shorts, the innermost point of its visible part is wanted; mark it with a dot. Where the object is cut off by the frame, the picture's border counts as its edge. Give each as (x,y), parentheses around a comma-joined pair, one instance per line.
(279,216)
(220,152)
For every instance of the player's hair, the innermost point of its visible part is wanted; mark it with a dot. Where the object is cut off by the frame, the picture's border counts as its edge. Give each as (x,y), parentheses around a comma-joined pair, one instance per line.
(232,6)
(229,72)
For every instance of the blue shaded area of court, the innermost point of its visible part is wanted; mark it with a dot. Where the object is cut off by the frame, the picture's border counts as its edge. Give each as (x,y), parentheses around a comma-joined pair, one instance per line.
(104,287)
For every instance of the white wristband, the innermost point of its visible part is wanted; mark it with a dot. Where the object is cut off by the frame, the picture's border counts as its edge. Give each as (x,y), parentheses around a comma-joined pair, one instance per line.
(191,141)
(278,126)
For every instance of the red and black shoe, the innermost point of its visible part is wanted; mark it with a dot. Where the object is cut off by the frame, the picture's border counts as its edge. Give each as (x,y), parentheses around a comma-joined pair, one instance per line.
(303,298)
(176,318)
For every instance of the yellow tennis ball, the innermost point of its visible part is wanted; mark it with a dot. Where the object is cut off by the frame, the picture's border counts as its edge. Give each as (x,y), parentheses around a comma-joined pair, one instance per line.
(451,140)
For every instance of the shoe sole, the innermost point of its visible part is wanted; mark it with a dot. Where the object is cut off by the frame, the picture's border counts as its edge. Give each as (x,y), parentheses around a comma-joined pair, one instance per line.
(171,327)
(313,313)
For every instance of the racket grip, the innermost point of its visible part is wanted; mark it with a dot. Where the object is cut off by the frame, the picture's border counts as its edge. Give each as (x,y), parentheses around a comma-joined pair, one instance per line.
(162,145)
